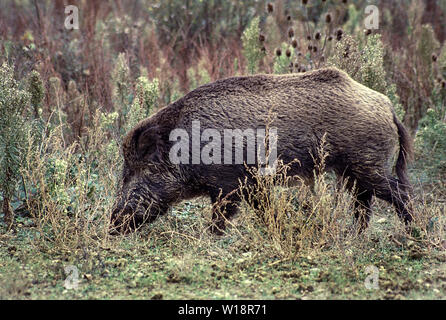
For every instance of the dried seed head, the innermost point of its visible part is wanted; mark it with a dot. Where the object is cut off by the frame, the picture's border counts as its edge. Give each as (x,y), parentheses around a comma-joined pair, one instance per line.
(318,36)
(278,52)
(344,1)
(315,49)
(263,49)
(288,53)
(328,18)
(294,43)
(288,18)
(443,84)
(368,32)
(290,32)
(261,37)
(339,34)
(304,2)
(309,37)
(310,47)
(330,38)
(322,58)
(434,57)
(270,7)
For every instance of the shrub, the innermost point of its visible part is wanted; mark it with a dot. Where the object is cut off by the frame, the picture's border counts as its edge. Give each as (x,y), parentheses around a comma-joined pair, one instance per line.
(430,141)
(37,91)
(251,46)
(71,189)
(13,104)
(147,92)
(145,98)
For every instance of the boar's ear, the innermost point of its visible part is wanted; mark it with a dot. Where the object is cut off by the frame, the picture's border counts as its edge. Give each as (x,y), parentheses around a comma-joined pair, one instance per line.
(148,143)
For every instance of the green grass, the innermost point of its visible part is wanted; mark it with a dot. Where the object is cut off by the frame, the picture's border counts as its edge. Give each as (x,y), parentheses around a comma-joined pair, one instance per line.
(175,264)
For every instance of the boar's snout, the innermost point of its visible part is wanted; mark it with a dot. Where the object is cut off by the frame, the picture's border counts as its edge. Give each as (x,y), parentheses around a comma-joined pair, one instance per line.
(124,220)
(129,214)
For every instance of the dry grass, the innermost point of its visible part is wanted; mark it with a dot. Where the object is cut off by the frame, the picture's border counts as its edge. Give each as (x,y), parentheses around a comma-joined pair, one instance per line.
(71,187)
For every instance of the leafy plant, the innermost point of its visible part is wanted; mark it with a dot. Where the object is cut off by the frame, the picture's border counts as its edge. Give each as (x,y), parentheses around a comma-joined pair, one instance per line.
(13,104)
(251,45)
(431,137)
(37,91)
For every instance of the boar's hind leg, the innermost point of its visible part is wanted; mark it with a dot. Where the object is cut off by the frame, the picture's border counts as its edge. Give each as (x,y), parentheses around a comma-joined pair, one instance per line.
(224,207)
(384,187)
(392,191)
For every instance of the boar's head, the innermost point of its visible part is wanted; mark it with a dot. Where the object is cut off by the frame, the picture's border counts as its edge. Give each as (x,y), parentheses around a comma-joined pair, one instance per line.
(150,183)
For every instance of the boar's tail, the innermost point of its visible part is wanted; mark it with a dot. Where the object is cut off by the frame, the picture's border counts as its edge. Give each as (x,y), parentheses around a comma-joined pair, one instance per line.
(405,153)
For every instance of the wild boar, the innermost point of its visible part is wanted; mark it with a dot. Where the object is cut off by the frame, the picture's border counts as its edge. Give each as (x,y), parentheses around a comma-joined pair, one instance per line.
(361,131)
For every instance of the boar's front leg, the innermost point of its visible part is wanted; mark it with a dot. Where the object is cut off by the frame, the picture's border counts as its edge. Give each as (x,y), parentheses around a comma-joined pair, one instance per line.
(225,205)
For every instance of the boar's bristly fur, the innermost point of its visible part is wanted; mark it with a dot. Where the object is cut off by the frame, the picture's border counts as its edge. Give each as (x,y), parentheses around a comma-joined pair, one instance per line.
(361,132)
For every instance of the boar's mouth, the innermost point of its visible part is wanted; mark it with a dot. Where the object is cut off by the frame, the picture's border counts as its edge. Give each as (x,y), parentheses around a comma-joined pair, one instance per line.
(130,216)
